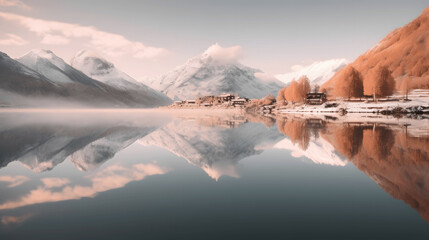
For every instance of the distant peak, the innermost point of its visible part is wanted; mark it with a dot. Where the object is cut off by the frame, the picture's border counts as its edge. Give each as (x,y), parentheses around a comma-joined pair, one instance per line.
(91,63)
(88,53)
(43,53)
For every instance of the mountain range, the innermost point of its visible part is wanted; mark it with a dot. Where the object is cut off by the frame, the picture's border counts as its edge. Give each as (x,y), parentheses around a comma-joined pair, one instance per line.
(40,78)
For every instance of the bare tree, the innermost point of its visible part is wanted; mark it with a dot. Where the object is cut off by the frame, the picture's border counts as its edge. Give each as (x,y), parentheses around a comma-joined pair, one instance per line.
(405,86)
(316,88)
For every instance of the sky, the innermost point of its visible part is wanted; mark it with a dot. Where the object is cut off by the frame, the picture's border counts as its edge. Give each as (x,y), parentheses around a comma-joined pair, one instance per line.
(151,37)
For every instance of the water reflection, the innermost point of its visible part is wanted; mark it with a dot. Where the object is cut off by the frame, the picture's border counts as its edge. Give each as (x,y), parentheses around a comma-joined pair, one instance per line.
(61,189)
(214,144)
(394,154)
(42,141)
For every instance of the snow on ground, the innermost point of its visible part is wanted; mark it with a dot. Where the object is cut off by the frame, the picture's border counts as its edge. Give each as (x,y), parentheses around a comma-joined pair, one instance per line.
(418,97)
(362,113)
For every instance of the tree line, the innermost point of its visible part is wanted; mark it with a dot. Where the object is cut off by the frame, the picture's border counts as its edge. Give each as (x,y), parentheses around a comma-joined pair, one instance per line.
(378,83)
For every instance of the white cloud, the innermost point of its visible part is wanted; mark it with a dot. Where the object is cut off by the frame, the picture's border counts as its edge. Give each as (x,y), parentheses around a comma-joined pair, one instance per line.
(14,181)
(225,55)
(12,40)
(54,40)
(112,44)
(14,3)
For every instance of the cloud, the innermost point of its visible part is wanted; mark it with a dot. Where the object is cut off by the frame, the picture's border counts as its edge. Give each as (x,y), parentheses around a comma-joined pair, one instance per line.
(14,181)
(53,32)
(54,182)
(9,220)
(296,68)
(54,40)
(12,40)
(14,3)
(225,55)
(112,177)
(266,77)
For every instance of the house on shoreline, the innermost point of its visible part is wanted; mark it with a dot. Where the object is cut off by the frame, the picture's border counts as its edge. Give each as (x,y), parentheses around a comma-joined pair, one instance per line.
(224,99)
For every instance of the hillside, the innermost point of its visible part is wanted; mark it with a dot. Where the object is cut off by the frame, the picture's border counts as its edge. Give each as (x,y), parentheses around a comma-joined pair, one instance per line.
(405,51)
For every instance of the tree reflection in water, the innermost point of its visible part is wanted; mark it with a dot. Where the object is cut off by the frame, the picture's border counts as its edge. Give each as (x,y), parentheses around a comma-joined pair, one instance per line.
(395,159)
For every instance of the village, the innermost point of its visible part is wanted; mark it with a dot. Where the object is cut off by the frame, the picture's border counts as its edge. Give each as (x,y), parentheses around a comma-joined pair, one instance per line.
(313,103)
(225,100)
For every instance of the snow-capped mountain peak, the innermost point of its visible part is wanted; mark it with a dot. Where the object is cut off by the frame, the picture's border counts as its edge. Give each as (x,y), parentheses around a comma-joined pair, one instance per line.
(97,67)
(91,63)
(37,54)
(215,71)
(318,72)
(47,64)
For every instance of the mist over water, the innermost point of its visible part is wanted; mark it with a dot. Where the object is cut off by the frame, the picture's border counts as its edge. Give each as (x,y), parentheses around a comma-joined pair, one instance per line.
(154,174)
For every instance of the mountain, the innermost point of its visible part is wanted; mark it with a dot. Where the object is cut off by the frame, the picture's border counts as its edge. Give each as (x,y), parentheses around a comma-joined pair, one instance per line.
(207,74)
(96,67)
(29,86)
(21,85)
(405,51)
(318,72)
(57,72)
(53,68)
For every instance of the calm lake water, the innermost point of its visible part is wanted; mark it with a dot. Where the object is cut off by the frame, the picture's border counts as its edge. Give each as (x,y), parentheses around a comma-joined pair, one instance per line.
(147,175)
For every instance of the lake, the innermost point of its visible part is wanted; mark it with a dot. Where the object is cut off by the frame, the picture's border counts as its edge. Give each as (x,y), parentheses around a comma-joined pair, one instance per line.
(159,175)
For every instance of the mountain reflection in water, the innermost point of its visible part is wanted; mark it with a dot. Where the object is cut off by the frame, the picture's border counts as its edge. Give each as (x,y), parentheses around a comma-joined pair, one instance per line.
(393,154)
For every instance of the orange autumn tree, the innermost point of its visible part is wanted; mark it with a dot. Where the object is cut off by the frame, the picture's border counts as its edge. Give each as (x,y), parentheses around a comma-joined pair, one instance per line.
(296,91)
(379,82)
(349,84)
(291,92)
(303,87)
(267,100)
(281,97)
